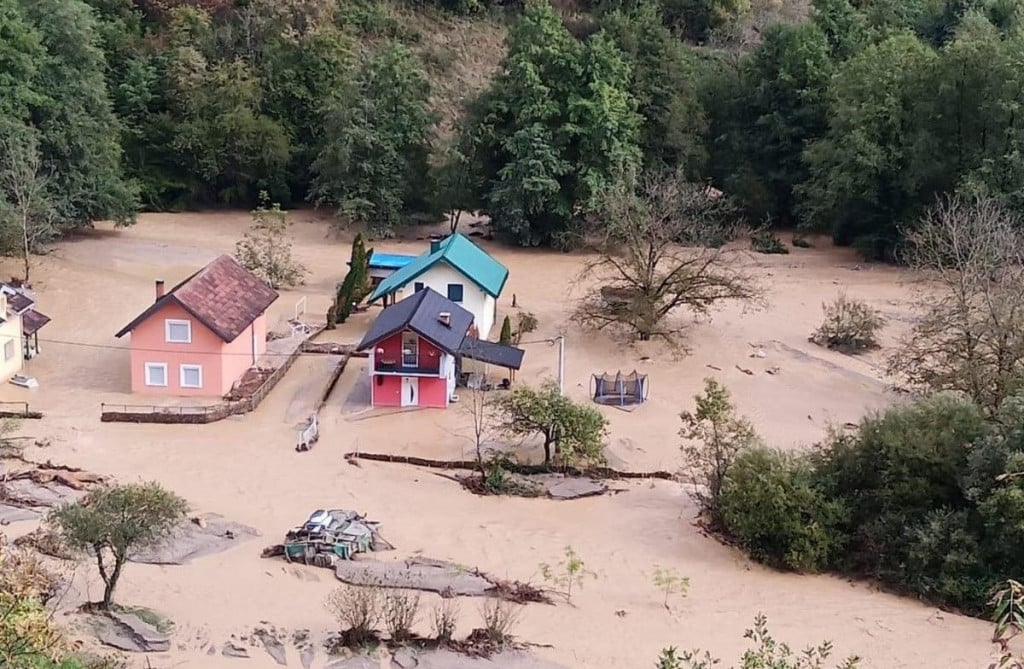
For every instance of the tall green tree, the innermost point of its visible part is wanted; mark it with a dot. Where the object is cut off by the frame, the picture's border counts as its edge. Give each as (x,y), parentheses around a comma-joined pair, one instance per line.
(663,81)
(373,164)
(555,127)
(767,111)
(79,133)
(862,182)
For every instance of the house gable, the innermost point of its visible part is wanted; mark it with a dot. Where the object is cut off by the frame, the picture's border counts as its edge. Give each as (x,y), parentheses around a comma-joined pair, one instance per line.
(222,296)
(422,313)
(459,252)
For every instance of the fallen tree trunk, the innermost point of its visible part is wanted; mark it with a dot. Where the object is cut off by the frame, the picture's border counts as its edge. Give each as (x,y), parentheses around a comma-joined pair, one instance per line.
(595,472)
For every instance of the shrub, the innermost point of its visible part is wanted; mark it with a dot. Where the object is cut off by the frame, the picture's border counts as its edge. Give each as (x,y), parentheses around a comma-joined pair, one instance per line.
(567,573)
(772,505)
(358,610)
(670,583)
(506,332)
(400,609)
(766,241)
(444,619)
(526,323)
(767,652)
(850,325)
(500,616)
(715,436)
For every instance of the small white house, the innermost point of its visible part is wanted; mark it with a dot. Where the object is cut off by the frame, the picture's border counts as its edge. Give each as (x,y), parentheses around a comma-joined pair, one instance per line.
(457,269)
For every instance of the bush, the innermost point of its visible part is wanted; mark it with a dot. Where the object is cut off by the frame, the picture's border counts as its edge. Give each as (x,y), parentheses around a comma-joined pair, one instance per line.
(850,326)
(358,610)
(399,613)
(446,614)
(499,617)
(766,241)
(773,506)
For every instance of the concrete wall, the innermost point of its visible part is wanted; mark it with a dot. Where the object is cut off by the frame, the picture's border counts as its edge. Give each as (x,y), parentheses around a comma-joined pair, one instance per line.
(241,354)
(11,357)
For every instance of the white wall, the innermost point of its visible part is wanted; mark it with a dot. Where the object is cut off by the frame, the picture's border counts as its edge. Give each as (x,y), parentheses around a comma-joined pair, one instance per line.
(474,300)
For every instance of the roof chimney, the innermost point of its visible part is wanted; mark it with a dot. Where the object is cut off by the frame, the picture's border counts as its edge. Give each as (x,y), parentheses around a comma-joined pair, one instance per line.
(445,317)
(159,288)
(435,243)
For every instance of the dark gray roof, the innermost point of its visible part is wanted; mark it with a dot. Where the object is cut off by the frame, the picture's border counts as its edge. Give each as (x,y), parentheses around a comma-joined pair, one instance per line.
(420,312)
(491,353)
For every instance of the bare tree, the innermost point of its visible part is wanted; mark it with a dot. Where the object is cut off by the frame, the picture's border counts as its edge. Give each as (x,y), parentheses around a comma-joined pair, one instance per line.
(662,248)
(481,409)
(969,336)
(26,210)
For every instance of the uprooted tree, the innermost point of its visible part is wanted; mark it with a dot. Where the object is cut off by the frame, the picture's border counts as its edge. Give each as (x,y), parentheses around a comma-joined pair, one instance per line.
(969,337)
(113,522)
(662,248)
(574,432)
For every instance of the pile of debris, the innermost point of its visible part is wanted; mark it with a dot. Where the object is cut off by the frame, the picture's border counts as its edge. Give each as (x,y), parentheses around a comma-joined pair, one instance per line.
(29,489)
(328,536)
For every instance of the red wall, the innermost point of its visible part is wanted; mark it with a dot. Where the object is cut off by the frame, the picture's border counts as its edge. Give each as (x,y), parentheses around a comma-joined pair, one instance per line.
(386,391)
(430,355)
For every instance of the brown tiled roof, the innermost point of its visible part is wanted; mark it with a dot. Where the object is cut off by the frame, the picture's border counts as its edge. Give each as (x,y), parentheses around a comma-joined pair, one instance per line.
(222,296)
(32,321)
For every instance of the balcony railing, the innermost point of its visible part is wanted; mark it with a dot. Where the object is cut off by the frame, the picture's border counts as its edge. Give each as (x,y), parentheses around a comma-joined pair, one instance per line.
(395,367)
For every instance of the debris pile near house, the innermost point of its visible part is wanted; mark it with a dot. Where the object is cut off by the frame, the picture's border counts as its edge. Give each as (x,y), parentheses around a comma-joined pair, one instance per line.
(329,536)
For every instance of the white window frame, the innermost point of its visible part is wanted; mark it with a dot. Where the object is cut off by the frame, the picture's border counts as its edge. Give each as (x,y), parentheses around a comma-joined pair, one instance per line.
(176,321)
(155,365)
(181,376)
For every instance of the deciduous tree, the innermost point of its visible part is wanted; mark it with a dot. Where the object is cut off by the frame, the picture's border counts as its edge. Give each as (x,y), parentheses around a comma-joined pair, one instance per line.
(113,522)
(27,216)
(969,336)
(266,251)
(662,250)
(373,164)
(574,432)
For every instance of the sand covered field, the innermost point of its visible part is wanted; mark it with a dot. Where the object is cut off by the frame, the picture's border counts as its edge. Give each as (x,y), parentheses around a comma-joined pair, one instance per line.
(246,469)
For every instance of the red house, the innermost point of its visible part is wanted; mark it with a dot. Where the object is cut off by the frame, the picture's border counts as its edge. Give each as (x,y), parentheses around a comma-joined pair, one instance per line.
(415,346)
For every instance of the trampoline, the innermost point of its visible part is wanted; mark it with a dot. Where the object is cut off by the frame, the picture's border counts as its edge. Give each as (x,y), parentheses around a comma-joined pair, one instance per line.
(620,389)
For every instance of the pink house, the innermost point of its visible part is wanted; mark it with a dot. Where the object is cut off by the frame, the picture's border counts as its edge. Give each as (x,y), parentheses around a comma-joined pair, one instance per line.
(202,335)
(415,349)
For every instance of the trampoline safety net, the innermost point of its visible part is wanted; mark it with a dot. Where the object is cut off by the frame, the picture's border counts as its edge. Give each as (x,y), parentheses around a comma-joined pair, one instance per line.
(620,389)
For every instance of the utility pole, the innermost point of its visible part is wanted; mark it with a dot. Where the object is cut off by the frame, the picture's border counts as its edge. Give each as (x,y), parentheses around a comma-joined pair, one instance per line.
(561,364)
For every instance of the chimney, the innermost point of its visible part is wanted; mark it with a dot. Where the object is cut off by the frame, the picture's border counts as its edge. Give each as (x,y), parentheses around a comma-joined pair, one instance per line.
(445,317)
(159,288)
(435,243)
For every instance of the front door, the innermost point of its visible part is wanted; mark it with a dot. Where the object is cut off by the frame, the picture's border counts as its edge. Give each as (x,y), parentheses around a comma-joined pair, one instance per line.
(410,391)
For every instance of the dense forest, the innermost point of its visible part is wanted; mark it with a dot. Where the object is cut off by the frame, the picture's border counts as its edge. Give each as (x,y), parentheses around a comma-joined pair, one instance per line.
(849,116)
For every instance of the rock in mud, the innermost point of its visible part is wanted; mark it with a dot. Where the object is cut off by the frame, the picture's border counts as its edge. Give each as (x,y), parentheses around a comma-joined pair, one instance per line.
(128,632)
(275,649)
(403,659)
(234,650)
(360,662)
(190,541)
(575,488)
(417,574)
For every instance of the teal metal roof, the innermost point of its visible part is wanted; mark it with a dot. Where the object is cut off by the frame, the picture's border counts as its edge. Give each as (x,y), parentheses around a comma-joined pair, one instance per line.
(462,255)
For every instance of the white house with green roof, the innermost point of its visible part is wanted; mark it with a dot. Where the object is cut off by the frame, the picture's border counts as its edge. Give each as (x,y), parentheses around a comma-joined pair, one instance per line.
(456,268)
